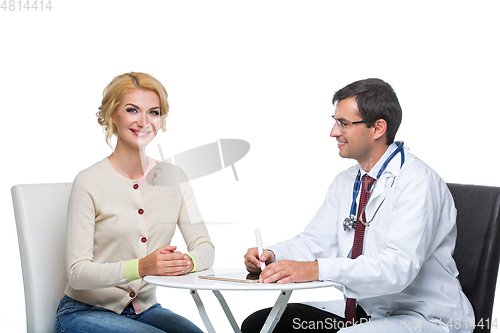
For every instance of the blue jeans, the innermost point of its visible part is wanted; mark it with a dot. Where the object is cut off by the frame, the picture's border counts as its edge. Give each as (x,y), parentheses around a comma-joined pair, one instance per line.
(74,316)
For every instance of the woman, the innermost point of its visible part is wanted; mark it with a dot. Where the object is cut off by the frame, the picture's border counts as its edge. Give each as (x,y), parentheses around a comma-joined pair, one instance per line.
(122,215)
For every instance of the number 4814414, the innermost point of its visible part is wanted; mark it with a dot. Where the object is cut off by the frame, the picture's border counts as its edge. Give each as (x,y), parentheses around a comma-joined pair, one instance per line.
(26,5)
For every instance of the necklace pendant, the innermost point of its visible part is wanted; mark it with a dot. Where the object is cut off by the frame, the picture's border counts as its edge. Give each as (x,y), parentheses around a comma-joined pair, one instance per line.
(367,224)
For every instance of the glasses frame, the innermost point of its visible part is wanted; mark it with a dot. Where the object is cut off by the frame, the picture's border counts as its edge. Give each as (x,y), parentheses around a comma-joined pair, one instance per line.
(342,124)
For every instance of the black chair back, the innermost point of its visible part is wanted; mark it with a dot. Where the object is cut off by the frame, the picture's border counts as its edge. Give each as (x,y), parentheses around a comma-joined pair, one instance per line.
(477,251)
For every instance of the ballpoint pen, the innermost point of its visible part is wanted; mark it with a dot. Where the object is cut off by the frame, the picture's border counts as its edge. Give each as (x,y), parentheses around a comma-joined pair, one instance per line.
(259,246)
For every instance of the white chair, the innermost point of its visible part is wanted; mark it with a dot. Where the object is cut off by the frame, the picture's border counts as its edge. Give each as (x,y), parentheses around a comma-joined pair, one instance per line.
(40,212)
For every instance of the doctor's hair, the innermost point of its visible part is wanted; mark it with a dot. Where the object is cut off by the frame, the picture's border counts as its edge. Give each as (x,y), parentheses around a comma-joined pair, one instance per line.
(121,85)
(376,100)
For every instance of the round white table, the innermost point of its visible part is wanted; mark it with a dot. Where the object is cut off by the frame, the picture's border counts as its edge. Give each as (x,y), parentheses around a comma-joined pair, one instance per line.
(194,283)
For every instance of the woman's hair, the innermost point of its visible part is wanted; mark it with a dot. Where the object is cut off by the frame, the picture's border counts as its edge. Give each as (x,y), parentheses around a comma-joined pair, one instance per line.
(121,85)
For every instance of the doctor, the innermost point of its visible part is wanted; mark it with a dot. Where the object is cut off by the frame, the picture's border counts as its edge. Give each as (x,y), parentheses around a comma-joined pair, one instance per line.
(385,234)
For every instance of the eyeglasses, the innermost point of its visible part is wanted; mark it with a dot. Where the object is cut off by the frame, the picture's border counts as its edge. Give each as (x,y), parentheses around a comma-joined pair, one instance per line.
(343,124)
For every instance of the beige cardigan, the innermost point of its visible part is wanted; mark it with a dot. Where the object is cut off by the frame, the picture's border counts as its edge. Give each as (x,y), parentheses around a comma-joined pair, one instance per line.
(112,220)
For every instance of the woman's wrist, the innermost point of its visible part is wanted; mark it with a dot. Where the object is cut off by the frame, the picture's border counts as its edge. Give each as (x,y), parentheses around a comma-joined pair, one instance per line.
(132,270)
(194,262)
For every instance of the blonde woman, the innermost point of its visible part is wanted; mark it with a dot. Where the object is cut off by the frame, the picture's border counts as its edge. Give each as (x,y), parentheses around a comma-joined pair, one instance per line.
(122,216)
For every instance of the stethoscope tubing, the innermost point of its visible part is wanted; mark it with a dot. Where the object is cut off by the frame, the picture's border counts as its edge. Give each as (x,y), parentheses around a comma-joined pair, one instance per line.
(350,222)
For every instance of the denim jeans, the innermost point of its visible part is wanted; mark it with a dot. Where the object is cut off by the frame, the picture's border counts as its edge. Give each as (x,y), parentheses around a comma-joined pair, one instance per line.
(74,316)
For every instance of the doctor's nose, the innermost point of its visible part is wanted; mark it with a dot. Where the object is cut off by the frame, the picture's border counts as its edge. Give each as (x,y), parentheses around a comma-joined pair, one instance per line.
(335,132)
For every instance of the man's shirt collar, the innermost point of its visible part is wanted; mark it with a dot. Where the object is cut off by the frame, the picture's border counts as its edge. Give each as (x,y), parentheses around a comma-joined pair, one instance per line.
(376,168)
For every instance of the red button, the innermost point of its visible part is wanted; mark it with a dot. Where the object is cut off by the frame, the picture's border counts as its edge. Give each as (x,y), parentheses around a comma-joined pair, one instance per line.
(144,239)
(141,211)
(132,294)
(136,186)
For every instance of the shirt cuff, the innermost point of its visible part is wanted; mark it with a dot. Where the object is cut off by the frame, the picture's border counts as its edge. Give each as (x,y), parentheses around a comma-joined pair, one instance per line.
(131,270)
(276,252)
(194,259)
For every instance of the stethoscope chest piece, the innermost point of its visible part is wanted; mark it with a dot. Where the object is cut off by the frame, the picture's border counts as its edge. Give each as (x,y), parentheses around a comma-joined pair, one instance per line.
(349,223)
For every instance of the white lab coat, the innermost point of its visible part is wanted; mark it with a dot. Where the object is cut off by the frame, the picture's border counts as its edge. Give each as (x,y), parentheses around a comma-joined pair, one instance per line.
(407,266)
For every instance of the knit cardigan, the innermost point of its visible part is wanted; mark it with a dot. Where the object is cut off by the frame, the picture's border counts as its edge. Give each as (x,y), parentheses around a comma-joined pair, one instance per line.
(113,221)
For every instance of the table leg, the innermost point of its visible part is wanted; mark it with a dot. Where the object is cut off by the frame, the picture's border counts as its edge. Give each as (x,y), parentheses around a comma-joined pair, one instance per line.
(227,311)
(201,310)
(276,312)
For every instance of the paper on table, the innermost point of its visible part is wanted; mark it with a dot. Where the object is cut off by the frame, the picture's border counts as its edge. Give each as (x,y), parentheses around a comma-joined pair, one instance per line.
(242,277)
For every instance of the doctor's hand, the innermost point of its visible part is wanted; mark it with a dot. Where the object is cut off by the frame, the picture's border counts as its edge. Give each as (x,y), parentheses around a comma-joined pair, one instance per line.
(252,262)
(165,261)
(286,271)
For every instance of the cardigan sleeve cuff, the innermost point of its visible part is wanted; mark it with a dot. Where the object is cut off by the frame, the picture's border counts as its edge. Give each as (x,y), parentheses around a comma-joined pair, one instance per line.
(194,259)
(131,269)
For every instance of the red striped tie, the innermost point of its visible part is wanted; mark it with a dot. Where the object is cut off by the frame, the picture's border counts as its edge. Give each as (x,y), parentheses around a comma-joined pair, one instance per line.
(357,247)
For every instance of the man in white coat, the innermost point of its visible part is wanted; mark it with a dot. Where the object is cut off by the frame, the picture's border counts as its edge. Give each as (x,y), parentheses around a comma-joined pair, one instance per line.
(385,234)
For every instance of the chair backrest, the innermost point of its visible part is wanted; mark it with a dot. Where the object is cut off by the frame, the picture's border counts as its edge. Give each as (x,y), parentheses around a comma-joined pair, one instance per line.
(477,251)
(41,214)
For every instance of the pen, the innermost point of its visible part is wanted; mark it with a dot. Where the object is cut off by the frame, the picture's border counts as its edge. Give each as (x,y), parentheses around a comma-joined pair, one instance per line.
(259,247)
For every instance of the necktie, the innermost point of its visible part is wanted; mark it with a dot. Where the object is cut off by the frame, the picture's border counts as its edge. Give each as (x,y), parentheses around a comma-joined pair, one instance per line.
(357,246)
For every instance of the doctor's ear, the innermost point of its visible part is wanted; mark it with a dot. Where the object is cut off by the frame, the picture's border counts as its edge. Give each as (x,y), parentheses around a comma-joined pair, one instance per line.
(379,128)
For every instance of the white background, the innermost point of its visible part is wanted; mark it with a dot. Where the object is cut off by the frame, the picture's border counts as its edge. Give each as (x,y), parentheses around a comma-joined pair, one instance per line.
(261,71)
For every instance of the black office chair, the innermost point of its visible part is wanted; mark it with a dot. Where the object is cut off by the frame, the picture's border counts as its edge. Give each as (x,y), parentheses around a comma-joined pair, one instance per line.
(477,251)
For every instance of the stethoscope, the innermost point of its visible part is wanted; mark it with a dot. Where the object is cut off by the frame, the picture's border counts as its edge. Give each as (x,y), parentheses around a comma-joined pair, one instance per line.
(350,222)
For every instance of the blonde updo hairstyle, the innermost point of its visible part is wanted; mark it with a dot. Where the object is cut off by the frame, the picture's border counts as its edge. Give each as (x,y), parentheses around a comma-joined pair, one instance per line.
(121,85)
